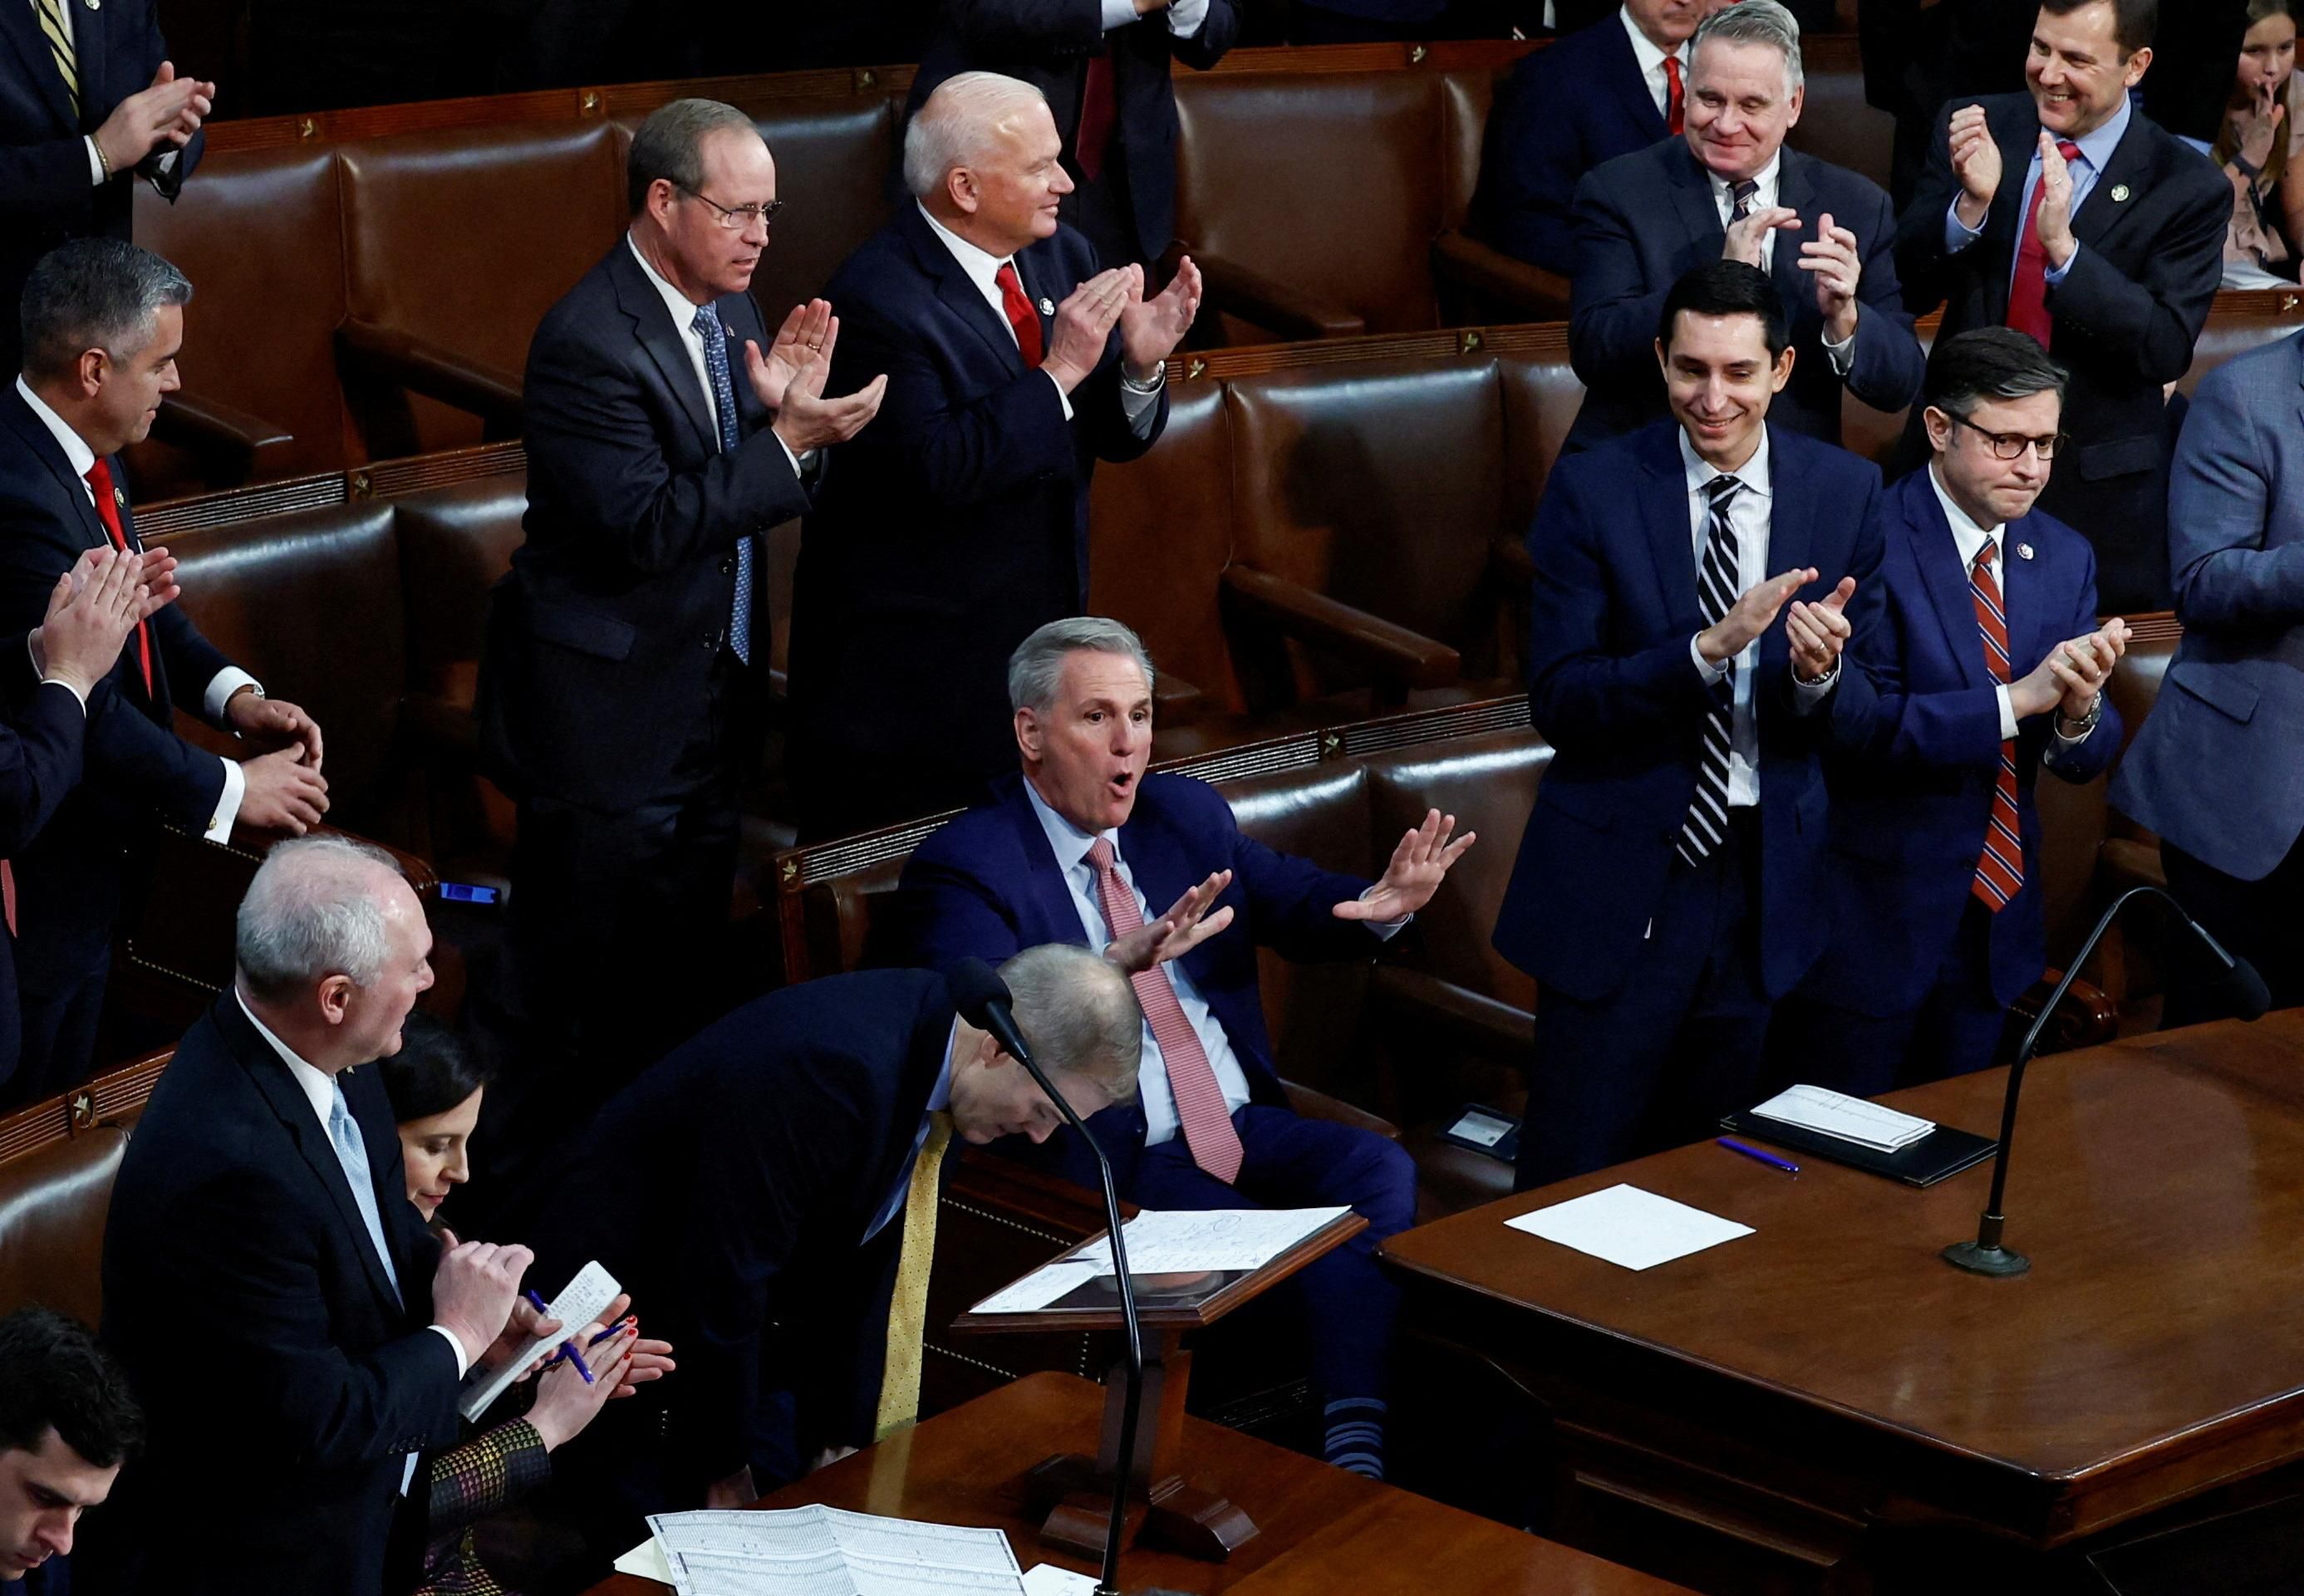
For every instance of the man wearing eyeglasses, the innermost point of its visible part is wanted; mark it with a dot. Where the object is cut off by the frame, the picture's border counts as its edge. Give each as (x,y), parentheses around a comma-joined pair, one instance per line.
(1989,668)
(625,673)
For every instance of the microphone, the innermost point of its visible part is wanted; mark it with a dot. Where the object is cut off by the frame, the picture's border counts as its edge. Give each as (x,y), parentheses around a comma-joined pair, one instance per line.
(983,1001)
(2235,985)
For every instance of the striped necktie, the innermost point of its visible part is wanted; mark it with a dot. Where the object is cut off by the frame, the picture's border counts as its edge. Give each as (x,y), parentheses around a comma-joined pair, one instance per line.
(1707,825)
(2000,867)
(56,27)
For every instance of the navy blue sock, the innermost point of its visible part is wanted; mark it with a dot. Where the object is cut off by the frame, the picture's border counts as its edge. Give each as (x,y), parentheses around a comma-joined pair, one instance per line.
(1355,1435)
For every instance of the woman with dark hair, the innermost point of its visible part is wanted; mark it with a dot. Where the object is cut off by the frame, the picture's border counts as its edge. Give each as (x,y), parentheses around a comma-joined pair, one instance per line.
(2259,149)
(436,1085)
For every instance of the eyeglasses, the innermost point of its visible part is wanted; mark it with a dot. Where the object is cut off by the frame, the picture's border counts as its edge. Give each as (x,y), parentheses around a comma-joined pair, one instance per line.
(738,218)
(2009,445)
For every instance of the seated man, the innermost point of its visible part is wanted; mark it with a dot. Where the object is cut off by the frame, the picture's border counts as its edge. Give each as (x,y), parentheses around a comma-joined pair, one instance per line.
(67,1422)
(762,1182)
(1079,848)
(1990,669)
(1732,191)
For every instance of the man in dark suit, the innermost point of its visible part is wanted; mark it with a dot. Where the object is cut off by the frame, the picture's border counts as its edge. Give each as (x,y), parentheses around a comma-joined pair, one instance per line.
(2065,214)
(1014,364)
(102,323)
(1667,890)
(67,1422)
(89,105)
(1595,96)
(1733,191)
(625,673)
(762,1181)
(261,1210)
(2217,769)
(1084,847)
(1989,665)
(1104,65)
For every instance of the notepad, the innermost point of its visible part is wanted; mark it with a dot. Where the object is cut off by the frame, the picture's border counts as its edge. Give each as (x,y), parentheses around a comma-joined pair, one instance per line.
(580,1301)
(1624,1225)
(827,1551)
(1830,1113)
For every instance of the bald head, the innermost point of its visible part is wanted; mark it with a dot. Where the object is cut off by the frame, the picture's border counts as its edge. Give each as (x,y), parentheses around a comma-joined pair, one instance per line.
(981,157)
(332,950)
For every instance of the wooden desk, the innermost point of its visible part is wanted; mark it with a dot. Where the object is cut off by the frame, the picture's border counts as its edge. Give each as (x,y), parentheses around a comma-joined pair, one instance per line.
(1829,1379)
(1325,1531)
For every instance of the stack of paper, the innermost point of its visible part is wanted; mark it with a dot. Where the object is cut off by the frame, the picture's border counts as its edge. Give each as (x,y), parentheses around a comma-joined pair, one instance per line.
(1848,1118)
(1171,1243)
(825,1551)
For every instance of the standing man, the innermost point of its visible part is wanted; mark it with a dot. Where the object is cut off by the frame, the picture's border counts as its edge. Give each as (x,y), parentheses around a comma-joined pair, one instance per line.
(1990,667)
(88,107)
(1014,364)
(262,1200)
(2217,769)
(67,1422)
(1731,191)
(102,323)
(2066,213)
(1103,66)
(626,675)
(1667,890)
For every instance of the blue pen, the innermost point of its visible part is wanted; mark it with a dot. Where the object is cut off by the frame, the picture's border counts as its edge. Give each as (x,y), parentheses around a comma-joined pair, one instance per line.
(1754,1153)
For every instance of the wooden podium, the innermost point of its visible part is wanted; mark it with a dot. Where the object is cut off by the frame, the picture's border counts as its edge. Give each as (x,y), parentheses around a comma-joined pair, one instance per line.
(1070,1492)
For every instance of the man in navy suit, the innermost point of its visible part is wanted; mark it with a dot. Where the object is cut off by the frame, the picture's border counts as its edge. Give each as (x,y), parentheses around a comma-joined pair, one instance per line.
(1668,888)
(624,679)
(1989,665)
(1732,192)
(67,1422)
(2217,769)
(1598,94)
(1014,364)
(1084,847)
(2067,214)
(89,105)
(103,321)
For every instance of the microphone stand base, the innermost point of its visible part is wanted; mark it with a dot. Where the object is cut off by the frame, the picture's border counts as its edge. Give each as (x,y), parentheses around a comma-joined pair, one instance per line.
(1977,1259)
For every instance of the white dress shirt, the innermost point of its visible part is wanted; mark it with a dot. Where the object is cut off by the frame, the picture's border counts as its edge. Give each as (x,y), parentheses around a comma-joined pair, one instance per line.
(1137,405)
(1651,57)
(682,311)
(1184,16)
(1748,516)
(1969,539)
(221,687)
(319,1090)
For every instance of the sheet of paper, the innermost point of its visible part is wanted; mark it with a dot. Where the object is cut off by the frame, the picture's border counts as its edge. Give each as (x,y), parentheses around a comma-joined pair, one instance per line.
(1046,1579)
(826,1552)
(644,1561)
(1627,1226)
(1175,1242)
(1850,1118)
(1042,1287)
(580,1302)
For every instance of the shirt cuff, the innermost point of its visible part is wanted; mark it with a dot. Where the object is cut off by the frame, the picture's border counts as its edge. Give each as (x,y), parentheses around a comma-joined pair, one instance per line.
(1185,17)
(1139,405)
(1386,930)
(1808,694)
(1957,234)
(463,1363)
(2007,712)
(228,802)
(221,688)
(95,172)
(1843,355)
(58,682)
(1118,14)
(1063,398)
(802,464)
(2065,743)
(1711,672)
(2056,274)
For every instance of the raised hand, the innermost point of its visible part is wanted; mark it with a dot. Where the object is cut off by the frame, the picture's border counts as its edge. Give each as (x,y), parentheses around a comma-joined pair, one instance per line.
(473,1291)
(1151,329)
(806,419)
(1832,256)
(1744,237)
(809,330)
(1819,631)
(2257,123)
(1976,162)
(2055,220)
(1752,613)
(91,612)
(168,112)
(2081,666)
(1416,868)
(1184,927)
(1085,320)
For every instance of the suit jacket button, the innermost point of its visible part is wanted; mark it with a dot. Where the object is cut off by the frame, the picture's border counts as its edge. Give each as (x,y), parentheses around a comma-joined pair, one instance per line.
(728,566)
(711,642)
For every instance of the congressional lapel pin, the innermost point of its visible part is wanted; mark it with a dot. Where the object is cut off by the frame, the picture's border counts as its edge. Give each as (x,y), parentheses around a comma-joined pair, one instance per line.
(119,498)
(1047,305)
(2023,551)
(2119,193)
(95,4)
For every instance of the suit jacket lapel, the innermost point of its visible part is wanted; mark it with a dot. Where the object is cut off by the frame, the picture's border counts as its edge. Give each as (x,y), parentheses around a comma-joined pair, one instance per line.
(1791,537)
(1949,596)
(1691,197)
(1046,892)
(22,30)
(2100,215)
(1631,86)
(1665,521)
(42,443)
(1795,287)
(88,24)
(959,294)
(666,344)
(2020,601)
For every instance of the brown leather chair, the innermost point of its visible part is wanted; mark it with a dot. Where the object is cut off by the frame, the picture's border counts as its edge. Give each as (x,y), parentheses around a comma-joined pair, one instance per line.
(57,1162)
(835,161)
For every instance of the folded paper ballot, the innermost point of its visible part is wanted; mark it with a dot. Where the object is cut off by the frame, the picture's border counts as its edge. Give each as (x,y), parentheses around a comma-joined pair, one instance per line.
(580,1301)
(1830,1113)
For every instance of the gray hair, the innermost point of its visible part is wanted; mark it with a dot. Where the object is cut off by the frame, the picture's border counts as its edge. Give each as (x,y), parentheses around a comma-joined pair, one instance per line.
(955,127)
(314,911)
(1078,1014)
(670,145)
(94,293)
(1036,670)
(1755,22)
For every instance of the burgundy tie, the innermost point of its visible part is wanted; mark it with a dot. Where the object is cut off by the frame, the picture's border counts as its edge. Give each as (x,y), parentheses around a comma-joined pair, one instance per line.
(1097,112)
(1199,1101)
(1675,97)
(1020,313)
(2000,867)
(107,511)
(2028,295)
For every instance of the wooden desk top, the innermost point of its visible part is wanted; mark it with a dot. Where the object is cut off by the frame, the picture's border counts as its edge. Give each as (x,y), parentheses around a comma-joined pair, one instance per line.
(2152,1351)
(1323,1530)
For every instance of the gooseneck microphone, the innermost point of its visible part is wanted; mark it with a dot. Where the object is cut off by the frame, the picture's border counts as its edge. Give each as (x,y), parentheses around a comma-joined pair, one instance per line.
(2236,986)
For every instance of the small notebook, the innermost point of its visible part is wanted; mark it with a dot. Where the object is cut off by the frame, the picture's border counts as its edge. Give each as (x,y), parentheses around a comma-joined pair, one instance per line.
(580,1301)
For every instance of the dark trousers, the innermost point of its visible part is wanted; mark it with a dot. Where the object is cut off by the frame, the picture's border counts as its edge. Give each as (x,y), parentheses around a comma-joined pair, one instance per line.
(1657,1061)
(1290,1161)
(1953,1029)
(2255,920)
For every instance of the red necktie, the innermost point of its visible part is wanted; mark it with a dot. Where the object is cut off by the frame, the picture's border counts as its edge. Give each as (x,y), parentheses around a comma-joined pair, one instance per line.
(2028,295)
(1021,315)
(1200,1109)
(1674,97)
(107,511)
(1096,117)
(2000,867)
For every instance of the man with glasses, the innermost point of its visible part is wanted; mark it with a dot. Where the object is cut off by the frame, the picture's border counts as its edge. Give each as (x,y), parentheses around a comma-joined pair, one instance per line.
(1990,667)
(625,673)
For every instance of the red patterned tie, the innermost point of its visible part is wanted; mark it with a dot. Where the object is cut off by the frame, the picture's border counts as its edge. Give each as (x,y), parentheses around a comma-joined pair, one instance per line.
(107,511)
(2000,867)
(1097,110)
(1675,97)
(2028,295)
(1199,1101)
(1020,313)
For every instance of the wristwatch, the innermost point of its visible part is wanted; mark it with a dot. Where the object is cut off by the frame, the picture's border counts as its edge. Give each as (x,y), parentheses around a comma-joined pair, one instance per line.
(2085,724)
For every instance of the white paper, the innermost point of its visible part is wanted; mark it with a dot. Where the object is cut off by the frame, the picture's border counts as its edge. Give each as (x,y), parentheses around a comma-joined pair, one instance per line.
(1179,1243)
(644,1561)
(826,1552)
(1042,1287)
(1627,1226)
(580,1301)
(1046,1579)
(1849,1118)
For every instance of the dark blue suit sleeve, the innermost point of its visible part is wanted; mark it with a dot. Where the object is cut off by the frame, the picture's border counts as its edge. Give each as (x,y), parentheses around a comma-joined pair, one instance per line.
(40,754)
(1218,31)
(949,912)
(1612,315)
(1888,363)
(2094,754)
(47,182)
(2220,495)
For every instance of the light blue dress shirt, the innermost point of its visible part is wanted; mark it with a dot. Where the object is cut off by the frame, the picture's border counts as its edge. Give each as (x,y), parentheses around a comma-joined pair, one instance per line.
(2096,153)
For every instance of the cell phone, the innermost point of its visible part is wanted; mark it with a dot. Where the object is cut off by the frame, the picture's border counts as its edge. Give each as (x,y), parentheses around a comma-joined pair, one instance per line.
(1482,1129)
(457,891)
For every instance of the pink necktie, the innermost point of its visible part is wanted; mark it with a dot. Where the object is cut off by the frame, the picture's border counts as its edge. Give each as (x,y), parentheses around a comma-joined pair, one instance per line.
(1199,1101)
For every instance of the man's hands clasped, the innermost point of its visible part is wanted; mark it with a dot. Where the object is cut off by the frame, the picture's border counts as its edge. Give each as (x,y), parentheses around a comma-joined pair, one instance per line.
(167,113)
(1149,329)
(789,381)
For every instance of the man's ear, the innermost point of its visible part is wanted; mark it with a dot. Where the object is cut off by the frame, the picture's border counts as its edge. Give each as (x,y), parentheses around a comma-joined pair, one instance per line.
(1939,424)
(1664,360)
(92,367)
(2136,66)
(1028,734)
(960,188)
(1783,372)
(336,998)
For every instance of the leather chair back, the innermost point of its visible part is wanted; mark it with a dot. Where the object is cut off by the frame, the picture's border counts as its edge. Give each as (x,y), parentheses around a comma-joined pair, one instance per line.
(53,1200)
(1541,397)
(835,161)
(1467,96)
(1836,124)
(454,543)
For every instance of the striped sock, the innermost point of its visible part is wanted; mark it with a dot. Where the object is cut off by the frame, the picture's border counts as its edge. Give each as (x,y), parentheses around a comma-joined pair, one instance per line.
(1355,1435)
